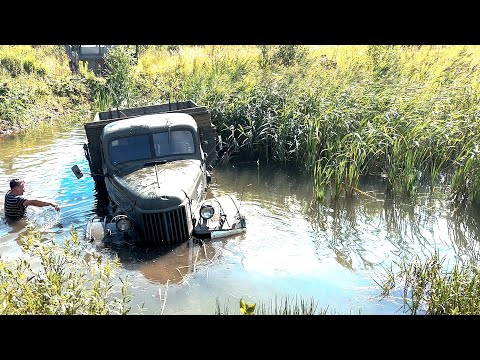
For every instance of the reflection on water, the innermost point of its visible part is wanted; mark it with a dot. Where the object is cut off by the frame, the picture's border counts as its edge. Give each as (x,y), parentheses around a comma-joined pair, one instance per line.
(364,231)
(293,246)
(171,263)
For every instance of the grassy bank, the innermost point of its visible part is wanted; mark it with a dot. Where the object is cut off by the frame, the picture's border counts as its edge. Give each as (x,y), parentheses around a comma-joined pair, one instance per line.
(407,113)
(36,87)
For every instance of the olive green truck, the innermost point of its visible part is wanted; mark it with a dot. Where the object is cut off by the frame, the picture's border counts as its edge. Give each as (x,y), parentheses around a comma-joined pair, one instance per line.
(153,162)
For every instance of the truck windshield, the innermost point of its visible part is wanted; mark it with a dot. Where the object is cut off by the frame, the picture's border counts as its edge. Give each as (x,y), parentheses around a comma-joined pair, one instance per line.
(131,148)
(173,143)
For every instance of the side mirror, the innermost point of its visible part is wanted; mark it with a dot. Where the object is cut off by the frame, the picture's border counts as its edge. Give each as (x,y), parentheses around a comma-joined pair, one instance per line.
(78,173)
(76,170)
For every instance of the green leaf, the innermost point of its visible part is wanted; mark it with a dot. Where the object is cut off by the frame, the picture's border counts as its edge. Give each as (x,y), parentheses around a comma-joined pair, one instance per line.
(243,306)
(251,309)
(247,309)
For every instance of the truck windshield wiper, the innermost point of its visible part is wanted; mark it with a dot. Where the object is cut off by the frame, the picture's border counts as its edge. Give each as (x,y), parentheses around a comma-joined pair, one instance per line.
(155,162)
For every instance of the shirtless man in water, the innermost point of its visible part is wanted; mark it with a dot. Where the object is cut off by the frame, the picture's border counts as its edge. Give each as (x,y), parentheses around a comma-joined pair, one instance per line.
(16,204)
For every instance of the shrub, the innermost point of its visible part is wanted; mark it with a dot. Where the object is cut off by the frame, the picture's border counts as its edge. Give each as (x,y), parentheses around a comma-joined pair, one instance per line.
(12,64)
(119,63)
(65,279)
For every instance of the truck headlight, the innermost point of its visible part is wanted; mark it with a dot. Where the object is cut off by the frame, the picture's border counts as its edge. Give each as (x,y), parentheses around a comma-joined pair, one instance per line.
(206,211)
(123,224)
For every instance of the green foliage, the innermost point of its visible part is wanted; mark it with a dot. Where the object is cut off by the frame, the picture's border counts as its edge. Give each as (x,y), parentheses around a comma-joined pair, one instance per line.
(407,113)
(61,279)
(16,65)
(173,49)
(72,87)
(384,59)
(282,306)
(247,309)
(98,94)
(35,86)
(264,58)
(14,103)
(12,64)
(431,289)
(119,84)
(466,179)
(287,55)
(284,55)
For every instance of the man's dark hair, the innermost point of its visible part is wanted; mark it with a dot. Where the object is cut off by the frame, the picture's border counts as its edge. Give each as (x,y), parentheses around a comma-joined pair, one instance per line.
(15,182)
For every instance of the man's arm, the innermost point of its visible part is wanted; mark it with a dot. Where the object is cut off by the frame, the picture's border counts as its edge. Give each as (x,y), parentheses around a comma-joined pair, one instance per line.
(41,203)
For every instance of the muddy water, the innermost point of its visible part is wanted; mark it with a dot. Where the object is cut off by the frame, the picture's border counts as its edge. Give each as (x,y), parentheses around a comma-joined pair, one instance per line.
(329,253)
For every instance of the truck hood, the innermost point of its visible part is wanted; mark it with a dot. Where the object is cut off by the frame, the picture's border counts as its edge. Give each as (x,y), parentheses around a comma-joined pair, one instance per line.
(162,186)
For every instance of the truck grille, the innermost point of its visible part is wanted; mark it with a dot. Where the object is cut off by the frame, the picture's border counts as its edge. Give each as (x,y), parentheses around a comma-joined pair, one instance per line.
(167,227)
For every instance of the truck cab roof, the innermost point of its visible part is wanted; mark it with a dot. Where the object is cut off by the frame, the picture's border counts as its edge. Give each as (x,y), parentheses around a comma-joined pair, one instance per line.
(147,124)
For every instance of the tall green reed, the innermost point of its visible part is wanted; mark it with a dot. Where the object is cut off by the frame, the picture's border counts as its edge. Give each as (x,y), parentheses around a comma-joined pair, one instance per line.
(429,287)
(407,113)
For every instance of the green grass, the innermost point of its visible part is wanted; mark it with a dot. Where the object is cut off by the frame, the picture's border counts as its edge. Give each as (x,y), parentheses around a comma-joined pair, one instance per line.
(430,288)
(277,306)
(36,86)
(409,113)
